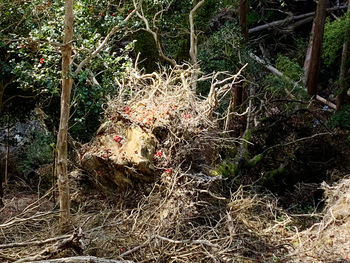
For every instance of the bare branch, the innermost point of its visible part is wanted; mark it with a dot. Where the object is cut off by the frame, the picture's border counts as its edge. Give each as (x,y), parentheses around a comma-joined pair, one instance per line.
(82,259)
(289,19)
(193,38)
(154,34)
(104,42)
(33,243)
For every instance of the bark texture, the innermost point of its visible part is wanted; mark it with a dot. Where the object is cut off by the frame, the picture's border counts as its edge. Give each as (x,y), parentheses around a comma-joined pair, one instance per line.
(312,64)
(67,83)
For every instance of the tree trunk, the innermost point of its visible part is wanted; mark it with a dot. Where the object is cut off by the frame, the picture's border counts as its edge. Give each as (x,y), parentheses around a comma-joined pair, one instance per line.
(2,91)
(343,97)
(312,61)
(193,45)
(67,83)
(239,87)
(243,11)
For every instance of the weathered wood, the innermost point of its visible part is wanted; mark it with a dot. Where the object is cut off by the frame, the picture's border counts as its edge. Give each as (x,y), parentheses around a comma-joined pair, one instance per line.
(67,83)
(82,259)
(289,19)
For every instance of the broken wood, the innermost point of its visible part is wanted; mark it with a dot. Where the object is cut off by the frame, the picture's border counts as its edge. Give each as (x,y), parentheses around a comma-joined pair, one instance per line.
(290,19)
(72,242)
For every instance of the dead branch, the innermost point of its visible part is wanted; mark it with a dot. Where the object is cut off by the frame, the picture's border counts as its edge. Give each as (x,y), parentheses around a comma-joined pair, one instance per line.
(33,243)
(21,220)
(154,33)
(82,259)
(193,45)
(193,37)
(280,74)
(72,242)
(201,242)
(289,19)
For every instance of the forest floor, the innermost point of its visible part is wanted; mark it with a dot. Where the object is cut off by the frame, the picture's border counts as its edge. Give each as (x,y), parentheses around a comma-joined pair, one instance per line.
(178,219)
(214,198)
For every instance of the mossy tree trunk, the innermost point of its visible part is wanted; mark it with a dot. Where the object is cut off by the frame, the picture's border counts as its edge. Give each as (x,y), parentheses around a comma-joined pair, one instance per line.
(67,83)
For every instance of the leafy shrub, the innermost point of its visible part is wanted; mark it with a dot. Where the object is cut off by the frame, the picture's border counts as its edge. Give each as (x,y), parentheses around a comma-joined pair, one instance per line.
(341,118)
(37,152)
(292,70)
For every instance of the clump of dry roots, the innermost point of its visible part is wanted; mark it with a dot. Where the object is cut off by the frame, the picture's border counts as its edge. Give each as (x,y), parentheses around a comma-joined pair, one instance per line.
(165,105)
(186,215)
(328,240)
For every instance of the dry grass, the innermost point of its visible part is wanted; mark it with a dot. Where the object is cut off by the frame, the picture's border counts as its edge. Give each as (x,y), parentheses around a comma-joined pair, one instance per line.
(185,215)
(185,218)
(328,240)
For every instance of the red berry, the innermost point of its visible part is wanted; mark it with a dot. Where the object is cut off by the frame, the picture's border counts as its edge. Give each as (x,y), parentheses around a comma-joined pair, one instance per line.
(117,139)
(159,153)
(41,61)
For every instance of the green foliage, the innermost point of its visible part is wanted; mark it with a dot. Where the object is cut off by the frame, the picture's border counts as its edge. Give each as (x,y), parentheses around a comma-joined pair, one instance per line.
(222,49)
(33,57)
(37,152)
(289,67)
(280,85)
(341,118)
(335,33)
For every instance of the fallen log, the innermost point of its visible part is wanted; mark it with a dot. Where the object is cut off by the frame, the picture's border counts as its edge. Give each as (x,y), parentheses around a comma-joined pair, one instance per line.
(290,19)
(82,259)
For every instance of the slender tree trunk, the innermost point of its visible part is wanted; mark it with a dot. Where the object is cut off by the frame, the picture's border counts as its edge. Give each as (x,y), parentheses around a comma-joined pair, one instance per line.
(344,98)
(193,45)
(67,83)
(239,93)
(2,91)
(243,11)
(313,60)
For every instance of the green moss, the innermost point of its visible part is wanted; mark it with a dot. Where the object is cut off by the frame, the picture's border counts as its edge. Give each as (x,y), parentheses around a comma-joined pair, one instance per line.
(226,169)
(335,33)
(254,161)
(341,118)
(271,176)
(146,46)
